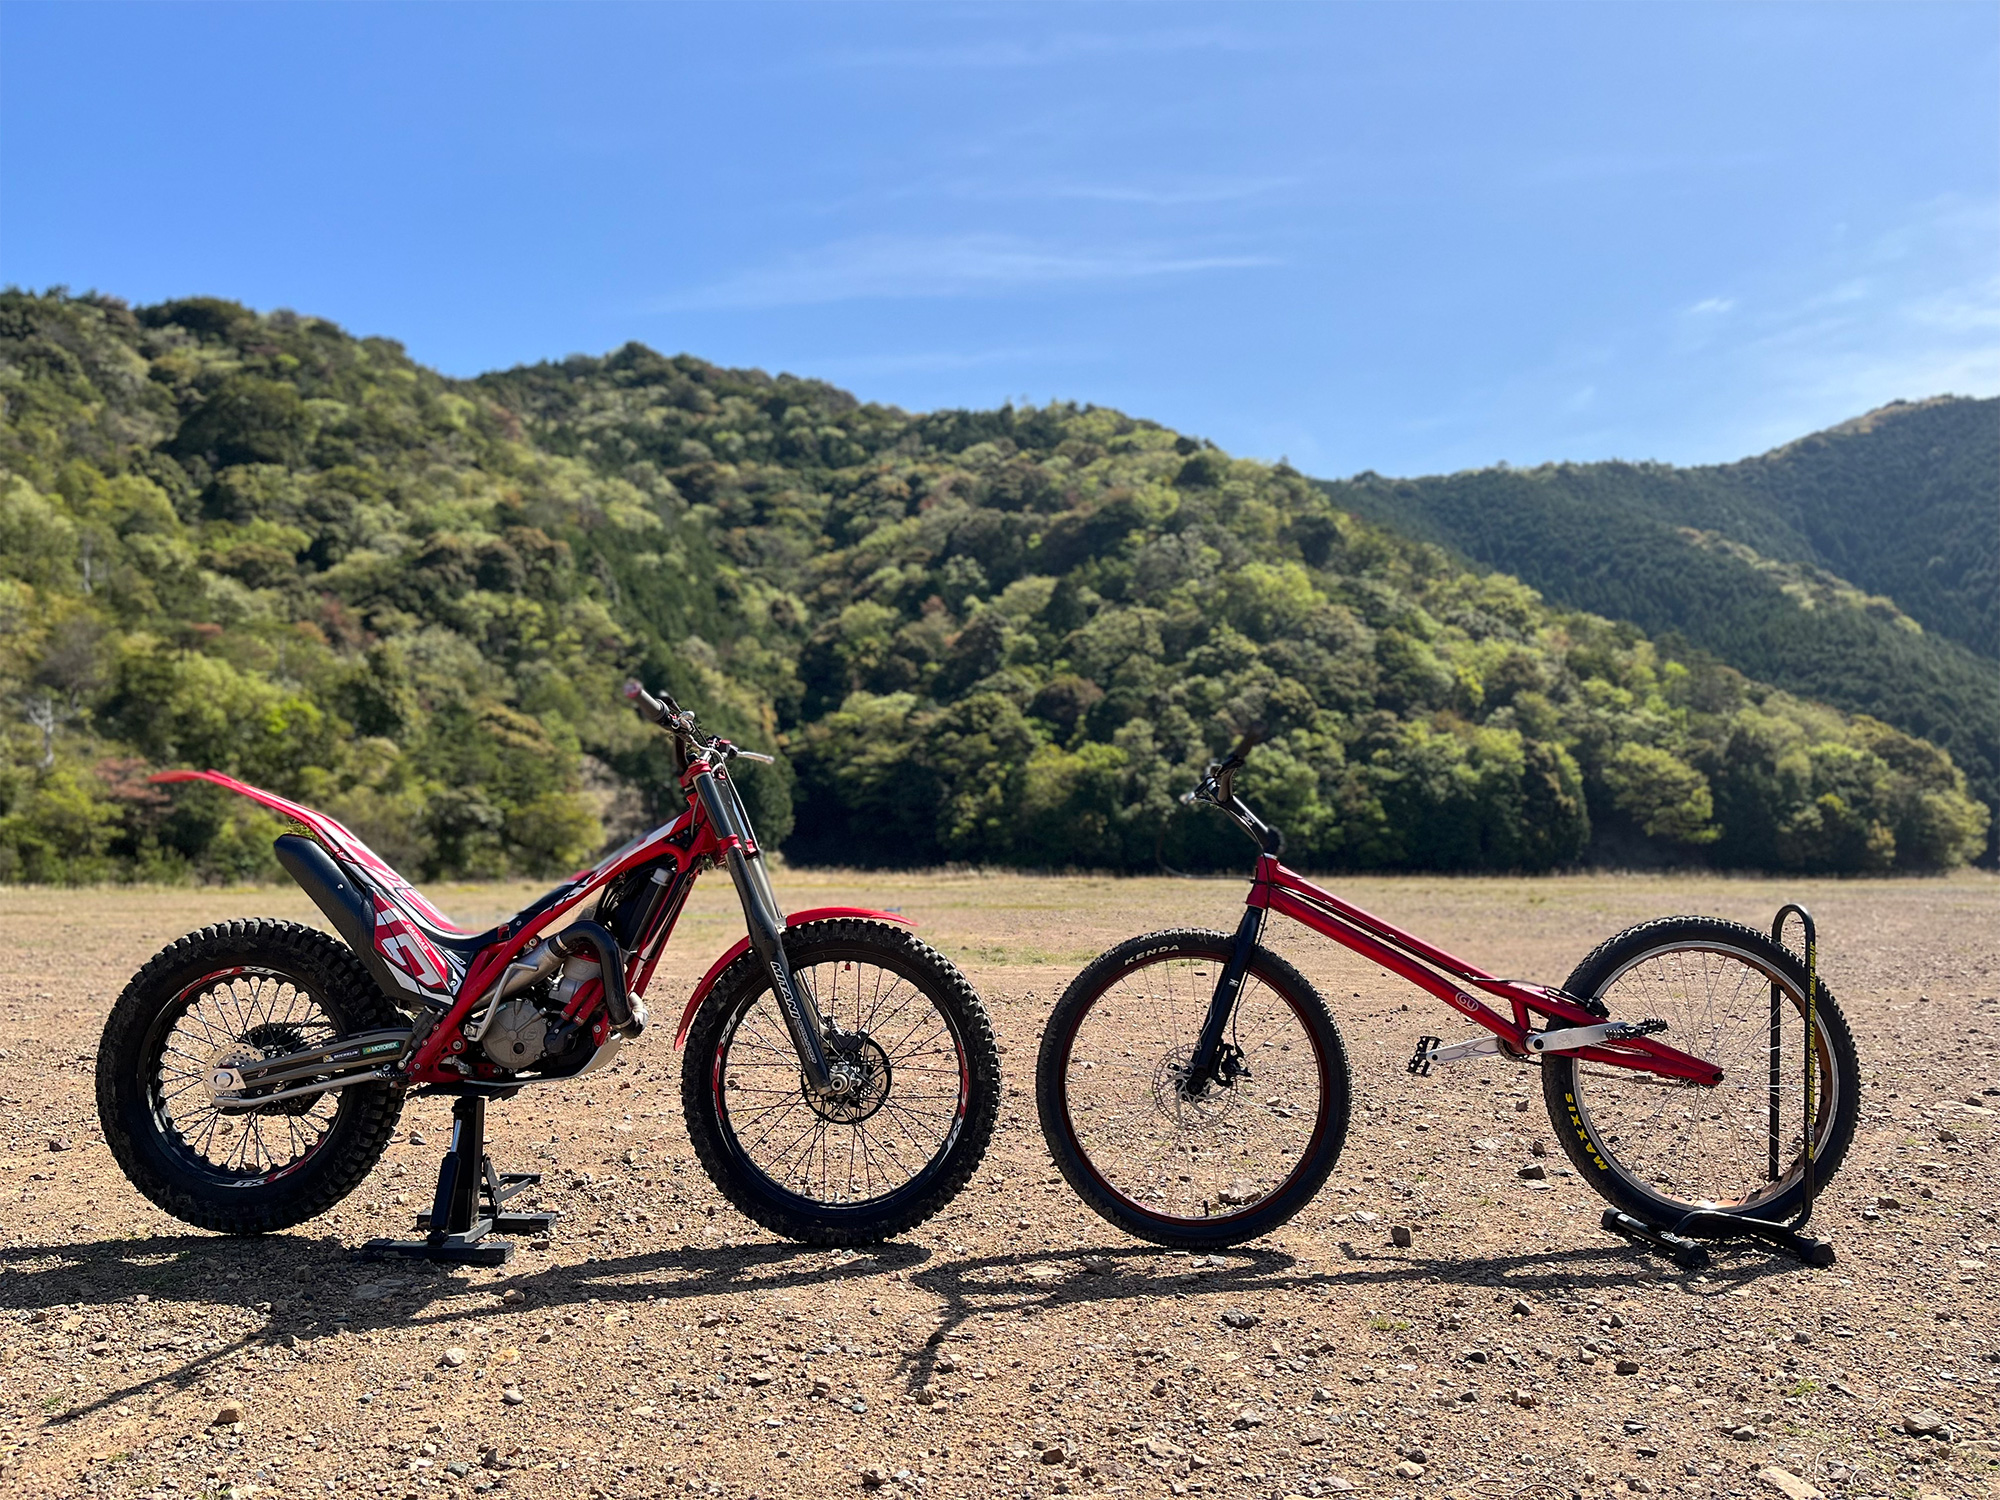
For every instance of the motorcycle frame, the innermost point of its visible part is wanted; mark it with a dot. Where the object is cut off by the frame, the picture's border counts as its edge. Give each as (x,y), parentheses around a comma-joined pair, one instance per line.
(418,947)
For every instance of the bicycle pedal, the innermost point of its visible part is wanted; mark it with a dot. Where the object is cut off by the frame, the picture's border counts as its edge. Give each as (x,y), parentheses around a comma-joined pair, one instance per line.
(1425,1056)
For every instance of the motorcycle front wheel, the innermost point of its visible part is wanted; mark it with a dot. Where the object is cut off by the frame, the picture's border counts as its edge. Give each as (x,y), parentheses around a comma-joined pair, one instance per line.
(877,1161)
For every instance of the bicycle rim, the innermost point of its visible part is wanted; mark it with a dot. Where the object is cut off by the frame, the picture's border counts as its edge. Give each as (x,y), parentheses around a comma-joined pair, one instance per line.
(1709,1147)
(1202,1160)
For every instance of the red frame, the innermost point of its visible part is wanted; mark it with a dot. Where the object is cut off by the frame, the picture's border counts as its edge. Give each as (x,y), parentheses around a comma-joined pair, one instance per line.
(1277,888)
(416,939)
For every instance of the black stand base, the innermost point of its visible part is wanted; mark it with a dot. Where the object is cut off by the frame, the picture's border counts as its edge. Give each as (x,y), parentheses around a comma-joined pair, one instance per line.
(1681,1243)
(469,1209)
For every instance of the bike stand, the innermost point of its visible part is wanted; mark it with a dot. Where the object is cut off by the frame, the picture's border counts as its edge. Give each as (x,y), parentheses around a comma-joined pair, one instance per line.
(1680,1241)
(469,1209)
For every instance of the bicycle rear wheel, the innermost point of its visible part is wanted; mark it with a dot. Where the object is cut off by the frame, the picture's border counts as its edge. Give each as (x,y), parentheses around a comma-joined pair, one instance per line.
(1661,1148)
(1191,1167)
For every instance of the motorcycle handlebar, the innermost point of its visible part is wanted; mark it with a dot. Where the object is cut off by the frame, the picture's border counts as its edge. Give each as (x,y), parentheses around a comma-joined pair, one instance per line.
(648,707)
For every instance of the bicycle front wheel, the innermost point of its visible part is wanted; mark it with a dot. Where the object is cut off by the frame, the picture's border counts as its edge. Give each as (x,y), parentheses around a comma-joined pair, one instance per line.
(1660,1148)
(1184,1162)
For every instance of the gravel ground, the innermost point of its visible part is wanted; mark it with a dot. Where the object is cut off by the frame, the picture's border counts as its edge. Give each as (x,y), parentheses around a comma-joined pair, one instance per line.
(659,1345)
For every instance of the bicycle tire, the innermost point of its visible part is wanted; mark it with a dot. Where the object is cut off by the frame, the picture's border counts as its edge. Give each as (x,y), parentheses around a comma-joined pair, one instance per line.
(1054,1105)
(1593,1144)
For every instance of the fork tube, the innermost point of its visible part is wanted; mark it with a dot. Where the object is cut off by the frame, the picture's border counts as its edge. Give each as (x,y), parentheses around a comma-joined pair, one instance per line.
(767,933)
(1223,1004)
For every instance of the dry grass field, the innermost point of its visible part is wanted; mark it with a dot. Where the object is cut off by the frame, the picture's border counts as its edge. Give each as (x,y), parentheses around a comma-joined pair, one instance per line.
(660,1345)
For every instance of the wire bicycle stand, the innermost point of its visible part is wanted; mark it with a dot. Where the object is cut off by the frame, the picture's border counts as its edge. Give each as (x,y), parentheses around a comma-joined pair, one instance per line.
(470,1208)
(1680,1241)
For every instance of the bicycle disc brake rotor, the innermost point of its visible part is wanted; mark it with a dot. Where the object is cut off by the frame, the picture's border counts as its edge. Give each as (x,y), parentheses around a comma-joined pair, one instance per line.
(1189,1109)
(868,1068)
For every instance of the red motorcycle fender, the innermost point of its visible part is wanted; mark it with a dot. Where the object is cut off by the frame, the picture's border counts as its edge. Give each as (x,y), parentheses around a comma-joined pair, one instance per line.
(742,946)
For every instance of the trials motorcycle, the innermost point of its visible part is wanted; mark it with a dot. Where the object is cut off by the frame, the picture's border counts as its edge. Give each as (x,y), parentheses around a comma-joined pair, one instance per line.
(840,1080)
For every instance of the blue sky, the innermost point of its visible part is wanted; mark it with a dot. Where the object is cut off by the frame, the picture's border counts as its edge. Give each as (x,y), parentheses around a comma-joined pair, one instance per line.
(1411,238)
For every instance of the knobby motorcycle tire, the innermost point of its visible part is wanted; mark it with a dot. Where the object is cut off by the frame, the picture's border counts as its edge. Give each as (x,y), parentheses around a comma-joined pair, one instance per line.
(792,1215)
(213,1197)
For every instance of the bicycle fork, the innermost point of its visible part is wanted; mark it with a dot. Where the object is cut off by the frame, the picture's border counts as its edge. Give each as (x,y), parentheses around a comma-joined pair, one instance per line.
(1215,1061)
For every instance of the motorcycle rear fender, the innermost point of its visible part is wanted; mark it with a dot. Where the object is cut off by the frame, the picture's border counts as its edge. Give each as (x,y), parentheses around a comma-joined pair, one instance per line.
(742,946)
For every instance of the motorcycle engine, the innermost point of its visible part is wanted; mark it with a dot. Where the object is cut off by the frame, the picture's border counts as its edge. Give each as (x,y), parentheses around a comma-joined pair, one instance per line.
(517,1037)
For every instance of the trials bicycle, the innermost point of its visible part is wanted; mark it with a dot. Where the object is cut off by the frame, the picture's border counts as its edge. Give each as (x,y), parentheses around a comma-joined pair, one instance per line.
(840,1082)
(1194,1089)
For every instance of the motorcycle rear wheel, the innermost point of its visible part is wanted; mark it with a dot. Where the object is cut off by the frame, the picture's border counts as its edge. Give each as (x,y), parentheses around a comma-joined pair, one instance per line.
(241,991)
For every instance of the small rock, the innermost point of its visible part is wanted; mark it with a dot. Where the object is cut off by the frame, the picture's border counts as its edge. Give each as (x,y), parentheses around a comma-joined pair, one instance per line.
(1055,1453)
(925,1396)
(1520,1106)
(458,1468)
(1237,1319)
(1744,1434)
(1400,1236)
(1947,1137)
(1923,1423)
(1321,1395)
(1789,1484)
(1539,1148)
(1887,1202)
(513,1295)
(454,1357)
(711,1320)
(417,1138)
(1522,1308)
(874,1477)
(1638,1484)
(227,1415)
(1474,1356)
(1239,1192)
(1525,1399)
(512,1396)
(822,1386)
(1245,1420)
(1099,1265)
(1408,1470)
(58,1143)
(1159,1387)
(1534,1171)
(1627,1367)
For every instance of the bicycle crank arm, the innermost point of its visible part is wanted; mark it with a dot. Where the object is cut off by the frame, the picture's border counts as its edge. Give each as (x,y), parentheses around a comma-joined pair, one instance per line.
(1431,1051)
(1571,1038)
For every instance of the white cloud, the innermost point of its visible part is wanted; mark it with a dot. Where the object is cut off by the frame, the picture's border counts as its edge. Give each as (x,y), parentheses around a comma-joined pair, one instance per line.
(1710,307)
(905,266)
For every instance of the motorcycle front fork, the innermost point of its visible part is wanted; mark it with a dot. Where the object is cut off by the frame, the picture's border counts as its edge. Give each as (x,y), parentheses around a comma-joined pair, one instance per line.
(766,922)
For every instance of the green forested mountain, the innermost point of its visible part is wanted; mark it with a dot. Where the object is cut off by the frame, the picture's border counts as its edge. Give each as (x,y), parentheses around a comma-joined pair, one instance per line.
(1859,566)
(261,544)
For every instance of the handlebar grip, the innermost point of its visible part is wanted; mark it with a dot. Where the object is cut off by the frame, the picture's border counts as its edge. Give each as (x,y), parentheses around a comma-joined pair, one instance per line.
(646,704)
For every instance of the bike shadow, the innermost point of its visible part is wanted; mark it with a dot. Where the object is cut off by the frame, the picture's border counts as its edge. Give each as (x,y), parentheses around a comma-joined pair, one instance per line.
(310,1288)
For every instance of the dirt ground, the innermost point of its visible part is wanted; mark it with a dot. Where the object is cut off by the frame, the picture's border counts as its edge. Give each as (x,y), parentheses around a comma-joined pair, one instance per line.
(1016,1345)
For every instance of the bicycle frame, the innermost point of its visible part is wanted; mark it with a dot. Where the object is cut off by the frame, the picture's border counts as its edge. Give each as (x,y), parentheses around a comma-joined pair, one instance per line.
(1274,887)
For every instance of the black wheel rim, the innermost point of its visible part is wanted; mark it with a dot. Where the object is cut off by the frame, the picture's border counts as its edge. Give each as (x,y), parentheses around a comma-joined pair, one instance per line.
(223,1019)
(857,1154)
